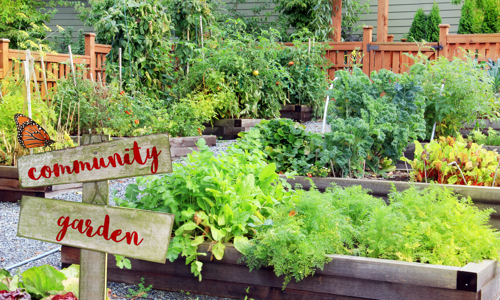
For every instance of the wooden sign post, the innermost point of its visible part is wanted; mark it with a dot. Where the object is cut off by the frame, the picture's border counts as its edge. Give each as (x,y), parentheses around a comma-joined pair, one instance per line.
(94,226)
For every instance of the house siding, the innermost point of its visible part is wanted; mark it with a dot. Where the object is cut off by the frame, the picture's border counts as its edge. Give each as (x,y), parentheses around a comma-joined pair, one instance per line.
(401,14)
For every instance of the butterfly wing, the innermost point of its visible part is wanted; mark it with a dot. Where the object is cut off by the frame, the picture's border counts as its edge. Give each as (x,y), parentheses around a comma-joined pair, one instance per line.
(30,134)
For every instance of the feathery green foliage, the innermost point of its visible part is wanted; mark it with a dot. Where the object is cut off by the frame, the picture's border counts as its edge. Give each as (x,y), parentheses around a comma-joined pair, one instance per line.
(466,23)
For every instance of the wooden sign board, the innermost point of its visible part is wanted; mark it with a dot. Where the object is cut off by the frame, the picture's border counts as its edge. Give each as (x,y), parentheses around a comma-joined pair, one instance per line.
(130,157)
(129,232)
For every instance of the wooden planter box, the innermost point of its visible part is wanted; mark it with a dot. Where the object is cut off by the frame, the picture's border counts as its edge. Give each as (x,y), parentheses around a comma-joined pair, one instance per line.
(228,129)
(11,192)
(344,278)
(299,113)
(483,197)
(469,127)
(181,146)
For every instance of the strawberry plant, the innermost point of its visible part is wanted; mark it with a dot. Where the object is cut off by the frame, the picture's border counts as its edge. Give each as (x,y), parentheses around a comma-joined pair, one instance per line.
(454,161)
(286,144)
(214,199)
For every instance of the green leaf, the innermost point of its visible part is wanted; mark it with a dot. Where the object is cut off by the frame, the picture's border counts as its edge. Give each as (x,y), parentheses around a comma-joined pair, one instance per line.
(42,281)
(72,285)
(186,226)
(71,271)
(216,233)
(218,250)
(241,243)
(197,240)
(268,171)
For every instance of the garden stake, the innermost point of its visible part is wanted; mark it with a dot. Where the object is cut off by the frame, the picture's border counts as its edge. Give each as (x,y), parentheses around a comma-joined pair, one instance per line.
(28,91)
(309,48)
(495,177)
(99,78)
(406,164)
(44,76)
(455,163)
(364,166)
(74,79)
(120,66)
(201,34)
(326,109)
(350,175)
(425,172)
(60,113)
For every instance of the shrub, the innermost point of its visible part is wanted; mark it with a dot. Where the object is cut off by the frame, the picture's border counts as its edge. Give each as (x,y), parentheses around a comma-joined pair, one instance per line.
(418,27)
(466,23)
(432,24)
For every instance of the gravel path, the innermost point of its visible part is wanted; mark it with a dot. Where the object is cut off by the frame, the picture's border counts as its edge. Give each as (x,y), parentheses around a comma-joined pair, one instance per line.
(14,249)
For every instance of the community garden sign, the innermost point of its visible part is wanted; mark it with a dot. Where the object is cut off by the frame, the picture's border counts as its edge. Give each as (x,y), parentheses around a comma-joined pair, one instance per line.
(93,225)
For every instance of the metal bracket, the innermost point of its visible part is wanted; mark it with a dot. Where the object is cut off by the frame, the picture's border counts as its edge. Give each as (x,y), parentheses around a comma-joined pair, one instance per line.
(369,47)
(438,47)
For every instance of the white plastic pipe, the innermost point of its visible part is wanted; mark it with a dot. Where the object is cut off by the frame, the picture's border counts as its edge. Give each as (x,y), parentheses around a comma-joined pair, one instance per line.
(326,109)
(434,127)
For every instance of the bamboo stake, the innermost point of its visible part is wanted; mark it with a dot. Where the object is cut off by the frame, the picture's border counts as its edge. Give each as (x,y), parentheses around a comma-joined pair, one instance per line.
(74,79)
(60,113)
(99,78)
(496,172)
(331,164)
(309,49)
(120,66)
(201,34)
(44,76)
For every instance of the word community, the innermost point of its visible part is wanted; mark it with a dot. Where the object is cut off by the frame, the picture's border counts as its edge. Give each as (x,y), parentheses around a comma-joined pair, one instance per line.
(103,230)
(97,163)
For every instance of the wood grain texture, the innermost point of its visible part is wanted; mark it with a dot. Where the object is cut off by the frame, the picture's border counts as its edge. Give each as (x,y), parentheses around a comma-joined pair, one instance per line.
(221,276)
(383,187)
(8,172)
(38,220)
(89,153)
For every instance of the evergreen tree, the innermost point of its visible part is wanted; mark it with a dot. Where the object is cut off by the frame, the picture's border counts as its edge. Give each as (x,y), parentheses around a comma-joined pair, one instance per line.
(491,17)
(466,23)
(432,24)
(417,29)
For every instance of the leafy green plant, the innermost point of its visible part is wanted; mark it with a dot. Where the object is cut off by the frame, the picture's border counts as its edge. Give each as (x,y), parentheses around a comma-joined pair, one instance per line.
(493,69)
(307,81)
(466,22)
(372,121)
(238,76)
(416,226)
(454,161)
(214,199)
(492,139)
(142,30)
(286,144)
(41,282)
(141,290)
(417,29)
(432,25)
(466,96)
(65,39)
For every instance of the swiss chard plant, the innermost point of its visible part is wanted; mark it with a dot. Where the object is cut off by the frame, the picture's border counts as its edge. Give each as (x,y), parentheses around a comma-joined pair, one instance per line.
(214,199)
(454,161)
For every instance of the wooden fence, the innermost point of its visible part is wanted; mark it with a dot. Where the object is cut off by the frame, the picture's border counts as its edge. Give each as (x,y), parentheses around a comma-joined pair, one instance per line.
(372,55)
(56,65)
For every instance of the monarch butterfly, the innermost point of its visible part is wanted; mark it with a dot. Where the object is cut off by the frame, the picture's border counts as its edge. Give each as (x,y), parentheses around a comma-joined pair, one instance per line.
(30,134)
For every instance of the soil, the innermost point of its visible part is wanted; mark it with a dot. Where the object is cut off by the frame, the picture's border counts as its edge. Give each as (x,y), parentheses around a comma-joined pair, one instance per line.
(391,176)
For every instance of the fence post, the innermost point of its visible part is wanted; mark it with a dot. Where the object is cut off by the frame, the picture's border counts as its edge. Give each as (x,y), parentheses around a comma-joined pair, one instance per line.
(367,39)
(390,38)
(337,20)
(382,20)
(4,57)
(90,50)
(443,41)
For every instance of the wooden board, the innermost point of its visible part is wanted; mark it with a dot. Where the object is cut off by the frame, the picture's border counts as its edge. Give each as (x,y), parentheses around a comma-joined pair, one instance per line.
(109,160)
(134,233)
(224,278)
(8,172)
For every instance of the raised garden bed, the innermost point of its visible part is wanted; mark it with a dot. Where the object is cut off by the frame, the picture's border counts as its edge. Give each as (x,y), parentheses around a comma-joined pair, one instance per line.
(180,146)
(345,277)
(469,127)
(299,113)
(228,129)
(483,197)
(11,192)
